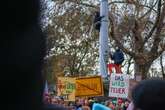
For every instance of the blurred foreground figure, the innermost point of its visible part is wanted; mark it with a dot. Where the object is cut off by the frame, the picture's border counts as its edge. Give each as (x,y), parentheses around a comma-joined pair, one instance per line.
(22,51)
(97,106)
(148,95)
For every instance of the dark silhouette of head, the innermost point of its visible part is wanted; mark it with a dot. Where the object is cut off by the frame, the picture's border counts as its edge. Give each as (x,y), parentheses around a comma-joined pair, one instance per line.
(149,95)
(22,51)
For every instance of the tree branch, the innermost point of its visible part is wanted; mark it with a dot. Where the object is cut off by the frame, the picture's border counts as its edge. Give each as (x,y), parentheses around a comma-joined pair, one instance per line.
(162,67)
(124,2)
(117,2)
(162,50)
(156,23)
(80,63)
(114,36)
(150,9)
(137,34)
(157,38)
(89,5)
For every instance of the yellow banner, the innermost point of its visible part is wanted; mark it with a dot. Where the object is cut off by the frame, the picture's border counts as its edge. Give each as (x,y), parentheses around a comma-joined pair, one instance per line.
(89,86)
(66,88)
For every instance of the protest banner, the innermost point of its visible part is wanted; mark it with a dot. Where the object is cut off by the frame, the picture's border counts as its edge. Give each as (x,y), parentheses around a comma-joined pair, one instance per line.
(66,88)
(119,85)
(89,86)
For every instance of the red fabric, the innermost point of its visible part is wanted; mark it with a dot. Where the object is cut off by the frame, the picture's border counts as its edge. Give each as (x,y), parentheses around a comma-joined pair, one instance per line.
(116,66)
(120,101)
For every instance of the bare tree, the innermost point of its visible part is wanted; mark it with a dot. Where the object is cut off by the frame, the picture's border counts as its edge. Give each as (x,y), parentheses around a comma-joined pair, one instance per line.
(139,32)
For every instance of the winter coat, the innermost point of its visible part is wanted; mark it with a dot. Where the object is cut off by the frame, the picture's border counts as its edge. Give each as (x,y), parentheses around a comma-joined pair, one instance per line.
(118,57)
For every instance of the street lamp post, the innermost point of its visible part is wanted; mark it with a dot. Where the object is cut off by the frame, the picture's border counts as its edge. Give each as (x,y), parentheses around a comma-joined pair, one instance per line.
(103,39)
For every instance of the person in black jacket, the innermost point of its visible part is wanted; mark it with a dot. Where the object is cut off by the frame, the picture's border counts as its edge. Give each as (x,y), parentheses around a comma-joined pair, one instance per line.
(22,47)
(97,20)
(118,58)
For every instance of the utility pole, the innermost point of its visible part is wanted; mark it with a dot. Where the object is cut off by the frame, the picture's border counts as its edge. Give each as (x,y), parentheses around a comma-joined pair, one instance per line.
(103,39)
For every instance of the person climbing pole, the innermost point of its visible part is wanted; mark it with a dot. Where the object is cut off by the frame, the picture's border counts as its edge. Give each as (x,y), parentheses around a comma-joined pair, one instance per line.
(97,20)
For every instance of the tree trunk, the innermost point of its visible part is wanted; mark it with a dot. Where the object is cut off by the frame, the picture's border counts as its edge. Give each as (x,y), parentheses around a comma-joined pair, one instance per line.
(129,64)
(141,70)
(162,67)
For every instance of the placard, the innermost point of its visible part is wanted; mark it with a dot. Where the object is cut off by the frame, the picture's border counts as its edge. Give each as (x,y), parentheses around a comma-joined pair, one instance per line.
(119,85)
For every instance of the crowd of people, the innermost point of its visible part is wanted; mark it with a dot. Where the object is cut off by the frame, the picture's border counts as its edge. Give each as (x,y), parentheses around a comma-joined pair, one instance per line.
(147,95)
(87,103)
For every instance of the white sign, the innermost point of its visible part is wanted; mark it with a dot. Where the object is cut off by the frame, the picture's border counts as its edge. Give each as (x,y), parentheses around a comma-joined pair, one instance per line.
(119,85)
